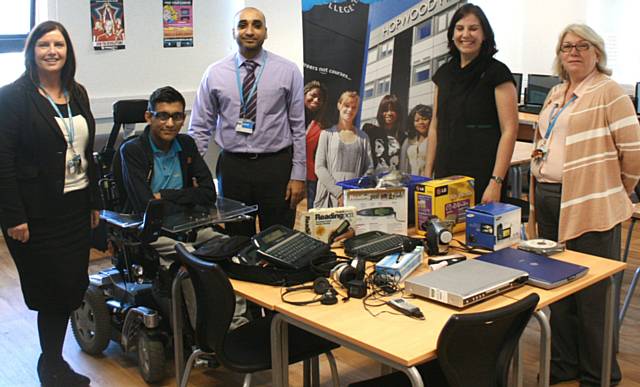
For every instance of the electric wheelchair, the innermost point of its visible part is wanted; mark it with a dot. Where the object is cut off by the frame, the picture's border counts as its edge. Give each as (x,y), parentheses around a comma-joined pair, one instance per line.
(130,303)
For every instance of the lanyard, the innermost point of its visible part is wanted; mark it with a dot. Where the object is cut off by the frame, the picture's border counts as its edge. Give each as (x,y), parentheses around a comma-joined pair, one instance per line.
(252,92)
(552,120)
(69,126)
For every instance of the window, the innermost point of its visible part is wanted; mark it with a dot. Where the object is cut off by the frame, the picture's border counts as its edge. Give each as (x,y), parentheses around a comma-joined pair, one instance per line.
(422,72)
(373,55)
(442,22)
(15,25)
(385,49)
(423,31)
(439,62)
(384,85)
(369,90)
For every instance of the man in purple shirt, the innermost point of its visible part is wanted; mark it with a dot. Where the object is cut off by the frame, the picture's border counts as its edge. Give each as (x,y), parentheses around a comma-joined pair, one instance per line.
(253,101)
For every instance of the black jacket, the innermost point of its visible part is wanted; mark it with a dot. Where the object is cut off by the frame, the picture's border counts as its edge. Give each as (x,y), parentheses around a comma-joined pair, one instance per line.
(33,151)
(136,161)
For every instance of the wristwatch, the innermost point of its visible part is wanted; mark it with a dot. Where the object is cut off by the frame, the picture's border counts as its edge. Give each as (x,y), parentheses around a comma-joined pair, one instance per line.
(497,179)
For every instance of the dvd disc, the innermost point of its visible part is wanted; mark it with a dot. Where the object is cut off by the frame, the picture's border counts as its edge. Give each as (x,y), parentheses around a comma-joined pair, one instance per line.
(541,244)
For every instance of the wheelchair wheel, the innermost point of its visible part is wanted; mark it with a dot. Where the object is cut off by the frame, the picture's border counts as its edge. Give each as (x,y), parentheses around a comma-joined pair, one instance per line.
(91,323)
(151,358)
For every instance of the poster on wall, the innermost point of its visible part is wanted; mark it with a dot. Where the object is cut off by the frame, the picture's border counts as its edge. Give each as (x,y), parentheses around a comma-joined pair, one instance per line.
(177,23)
(376,47)
(107,24)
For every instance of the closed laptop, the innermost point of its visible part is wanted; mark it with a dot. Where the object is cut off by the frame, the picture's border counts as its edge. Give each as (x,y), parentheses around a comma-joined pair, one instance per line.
(544,272)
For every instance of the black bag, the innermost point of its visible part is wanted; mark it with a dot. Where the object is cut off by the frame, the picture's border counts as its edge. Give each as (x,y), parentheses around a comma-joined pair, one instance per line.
(221,250)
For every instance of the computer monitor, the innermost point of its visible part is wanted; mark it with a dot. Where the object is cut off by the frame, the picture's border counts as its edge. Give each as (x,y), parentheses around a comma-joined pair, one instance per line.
(518,78)
(638,98)
(538,87)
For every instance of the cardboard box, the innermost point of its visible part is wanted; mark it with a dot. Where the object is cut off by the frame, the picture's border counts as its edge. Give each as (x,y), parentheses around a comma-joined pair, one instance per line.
(400,265)
(379,209)
(446,198)
(493,226)
(322,222)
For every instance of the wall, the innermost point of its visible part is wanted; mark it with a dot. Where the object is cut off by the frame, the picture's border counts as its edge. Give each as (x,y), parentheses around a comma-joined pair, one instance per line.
(144,64)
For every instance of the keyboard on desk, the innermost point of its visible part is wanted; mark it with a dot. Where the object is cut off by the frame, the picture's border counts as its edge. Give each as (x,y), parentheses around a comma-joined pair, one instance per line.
(374,245)
(531,109)
(289,248)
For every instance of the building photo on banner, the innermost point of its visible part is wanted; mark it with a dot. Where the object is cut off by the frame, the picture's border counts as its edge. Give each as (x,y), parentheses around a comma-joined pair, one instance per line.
(222,188)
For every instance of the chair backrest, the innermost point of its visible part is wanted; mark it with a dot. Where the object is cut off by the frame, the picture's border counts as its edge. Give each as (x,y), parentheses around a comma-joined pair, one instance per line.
(215,302)
(475,349)
(126,111)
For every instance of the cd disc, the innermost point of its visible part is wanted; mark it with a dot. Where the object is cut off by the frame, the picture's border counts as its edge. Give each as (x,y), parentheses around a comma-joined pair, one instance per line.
(541,246)
(541,243)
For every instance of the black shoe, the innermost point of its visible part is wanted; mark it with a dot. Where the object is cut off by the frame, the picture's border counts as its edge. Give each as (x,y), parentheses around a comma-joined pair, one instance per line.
(60,375)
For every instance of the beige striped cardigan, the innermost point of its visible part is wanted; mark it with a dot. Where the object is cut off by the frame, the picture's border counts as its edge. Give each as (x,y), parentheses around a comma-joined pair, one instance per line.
(602,160)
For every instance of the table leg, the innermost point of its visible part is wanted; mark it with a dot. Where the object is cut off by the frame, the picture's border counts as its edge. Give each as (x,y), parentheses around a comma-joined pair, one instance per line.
(414,376)
(279,351)
(545,348)
(607,346)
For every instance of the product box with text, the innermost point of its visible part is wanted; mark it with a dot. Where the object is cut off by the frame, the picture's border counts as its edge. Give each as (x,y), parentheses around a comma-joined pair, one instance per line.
(446,198)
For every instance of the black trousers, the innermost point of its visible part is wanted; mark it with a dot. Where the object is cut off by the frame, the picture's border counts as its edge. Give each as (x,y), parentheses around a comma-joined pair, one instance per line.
(260,180)
(577,321)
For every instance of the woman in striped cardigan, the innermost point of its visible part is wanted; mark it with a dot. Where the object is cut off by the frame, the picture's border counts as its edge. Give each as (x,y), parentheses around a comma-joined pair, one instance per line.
(585,164)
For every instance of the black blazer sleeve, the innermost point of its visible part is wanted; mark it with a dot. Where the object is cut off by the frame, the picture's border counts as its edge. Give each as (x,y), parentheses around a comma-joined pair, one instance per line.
(92,170)
(13,112)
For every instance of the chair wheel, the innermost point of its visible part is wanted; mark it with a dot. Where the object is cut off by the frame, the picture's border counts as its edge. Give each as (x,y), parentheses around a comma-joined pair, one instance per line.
(151,357)
(91,322)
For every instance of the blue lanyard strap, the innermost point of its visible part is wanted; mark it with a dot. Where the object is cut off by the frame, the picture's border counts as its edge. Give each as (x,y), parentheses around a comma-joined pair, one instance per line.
(252,92)
(552,119)
(69,126)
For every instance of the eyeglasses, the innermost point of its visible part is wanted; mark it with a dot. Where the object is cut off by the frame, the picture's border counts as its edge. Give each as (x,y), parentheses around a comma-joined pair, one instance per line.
(582,46)
(164,116)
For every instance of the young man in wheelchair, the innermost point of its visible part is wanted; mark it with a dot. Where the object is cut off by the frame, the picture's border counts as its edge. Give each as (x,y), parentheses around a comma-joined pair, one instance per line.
(163,164)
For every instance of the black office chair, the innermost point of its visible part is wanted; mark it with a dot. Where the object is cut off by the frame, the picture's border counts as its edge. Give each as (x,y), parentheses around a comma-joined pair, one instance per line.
(474,349)
(247,349)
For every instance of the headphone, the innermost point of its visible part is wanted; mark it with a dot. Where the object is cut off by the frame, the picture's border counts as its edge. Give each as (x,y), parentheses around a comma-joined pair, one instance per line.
(350,277)
(321,287)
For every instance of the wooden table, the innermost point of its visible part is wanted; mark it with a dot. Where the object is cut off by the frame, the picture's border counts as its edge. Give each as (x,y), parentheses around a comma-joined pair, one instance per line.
(402,343)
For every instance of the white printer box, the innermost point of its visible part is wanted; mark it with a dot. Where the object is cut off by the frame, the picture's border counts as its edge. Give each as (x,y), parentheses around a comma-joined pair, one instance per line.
(493,226)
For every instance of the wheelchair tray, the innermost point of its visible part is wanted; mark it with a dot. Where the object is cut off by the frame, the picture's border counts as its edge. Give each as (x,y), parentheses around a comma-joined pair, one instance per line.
(121,220)
(223,211)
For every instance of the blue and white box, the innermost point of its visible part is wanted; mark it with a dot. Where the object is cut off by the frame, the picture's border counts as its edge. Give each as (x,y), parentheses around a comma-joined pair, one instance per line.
(400,265)
(493,226)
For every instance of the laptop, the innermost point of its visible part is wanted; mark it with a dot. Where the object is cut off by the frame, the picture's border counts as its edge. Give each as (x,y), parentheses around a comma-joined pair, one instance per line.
(465,283)
(544,272)
(538,86)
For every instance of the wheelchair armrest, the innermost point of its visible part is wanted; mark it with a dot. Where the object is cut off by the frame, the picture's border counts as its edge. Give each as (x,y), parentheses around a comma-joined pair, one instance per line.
(152,221)
(124,221)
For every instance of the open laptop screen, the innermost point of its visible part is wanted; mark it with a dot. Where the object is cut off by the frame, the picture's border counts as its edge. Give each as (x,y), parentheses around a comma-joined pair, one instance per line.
(518,78)
(538,87)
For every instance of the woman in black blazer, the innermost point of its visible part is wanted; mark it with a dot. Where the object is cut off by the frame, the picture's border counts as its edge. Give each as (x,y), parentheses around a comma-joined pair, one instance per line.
(48,190)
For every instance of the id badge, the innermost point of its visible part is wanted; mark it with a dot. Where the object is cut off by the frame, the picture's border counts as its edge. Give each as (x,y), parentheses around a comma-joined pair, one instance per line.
(540,151)
(75,164)
(245,126)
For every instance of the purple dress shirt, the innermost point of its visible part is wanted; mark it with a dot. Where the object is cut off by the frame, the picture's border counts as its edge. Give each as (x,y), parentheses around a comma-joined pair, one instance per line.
(279,116)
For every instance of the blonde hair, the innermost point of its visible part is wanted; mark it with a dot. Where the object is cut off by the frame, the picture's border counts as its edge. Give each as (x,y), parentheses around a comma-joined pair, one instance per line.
(349,94)
(588,34)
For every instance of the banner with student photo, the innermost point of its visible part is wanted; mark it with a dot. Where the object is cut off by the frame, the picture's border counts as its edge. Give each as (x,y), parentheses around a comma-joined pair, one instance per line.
(177,23)
(107,24)
(376,47)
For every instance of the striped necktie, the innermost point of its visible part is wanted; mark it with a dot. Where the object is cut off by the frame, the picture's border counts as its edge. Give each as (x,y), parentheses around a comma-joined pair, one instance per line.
(247,85)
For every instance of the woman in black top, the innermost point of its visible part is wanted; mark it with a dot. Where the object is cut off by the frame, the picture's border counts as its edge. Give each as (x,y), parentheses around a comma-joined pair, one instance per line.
(386,138)
(48,190)
(475,119)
